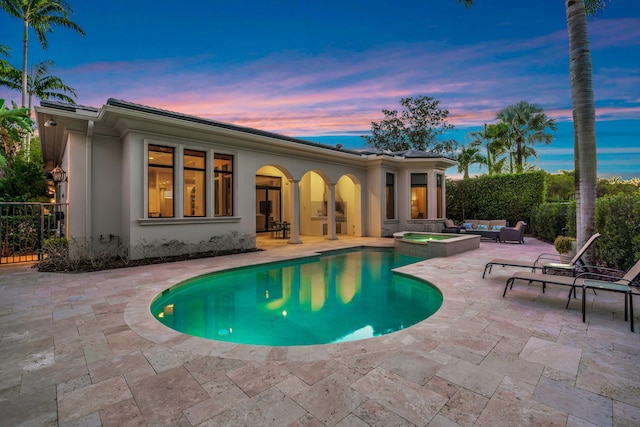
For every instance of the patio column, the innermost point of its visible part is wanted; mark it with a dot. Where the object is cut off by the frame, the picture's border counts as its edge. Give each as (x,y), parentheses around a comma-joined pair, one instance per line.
(295,211)
(331,213)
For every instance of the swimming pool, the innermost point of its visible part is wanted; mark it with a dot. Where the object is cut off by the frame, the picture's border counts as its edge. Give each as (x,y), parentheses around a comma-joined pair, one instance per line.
(336,297)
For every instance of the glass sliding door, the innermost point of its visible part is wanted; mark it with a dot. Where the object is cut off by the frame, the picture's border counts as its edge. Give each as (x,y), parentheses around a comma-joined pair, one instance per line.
(268,202)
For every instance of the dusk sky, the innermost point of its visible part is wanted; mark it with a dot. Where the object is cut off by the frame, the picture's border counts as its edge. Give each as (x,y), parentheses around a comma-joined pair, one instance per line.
(324,70)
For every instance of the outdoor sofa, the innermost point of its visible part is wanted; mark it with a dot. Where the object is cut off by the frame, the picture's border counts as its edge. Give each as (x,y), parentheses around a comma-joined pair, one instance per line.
(484,228)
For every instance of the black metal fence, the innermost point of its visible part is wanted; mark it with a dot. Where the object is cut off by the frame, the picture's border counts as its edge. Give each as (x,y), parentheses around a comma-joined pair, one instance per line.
(24,228)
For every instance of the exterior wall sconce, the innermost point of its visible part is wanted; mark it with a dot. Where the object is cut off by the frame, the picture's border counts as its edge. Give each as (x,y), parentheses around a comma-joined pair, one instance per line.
(58,174)
(50,123)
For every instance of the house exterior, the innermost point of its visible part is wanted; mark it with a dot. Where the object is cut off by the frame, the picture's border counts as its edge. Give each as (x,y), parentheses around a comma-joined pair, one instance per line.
(141,174)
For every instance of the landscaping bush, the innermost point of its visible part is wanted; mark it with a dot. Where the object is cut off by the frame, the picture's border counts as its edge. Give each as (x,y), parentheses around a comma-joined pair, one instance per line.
(77,255)
(571,219)
(564,244)
(617,221)
(510,197)
(548,220)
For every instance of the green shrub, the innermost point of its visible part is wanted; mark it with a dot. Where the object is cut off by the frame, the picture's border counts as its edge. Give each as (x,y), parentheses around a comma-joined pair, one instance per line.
(618,220)
(56,246)
(510,197)
(548,220)
(564,244)
(571,219)
(87,255)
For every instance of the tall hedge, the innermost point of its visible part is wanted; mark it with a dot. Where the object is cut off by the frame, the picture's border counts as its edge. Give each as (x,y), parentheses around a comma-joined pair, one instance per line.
(548,220)
(618,220)
(510,197)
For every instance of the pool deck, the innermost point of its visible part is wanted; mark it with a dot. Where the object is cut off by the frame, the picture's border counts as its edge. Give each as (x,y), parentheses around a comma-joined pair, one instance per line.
(83,349)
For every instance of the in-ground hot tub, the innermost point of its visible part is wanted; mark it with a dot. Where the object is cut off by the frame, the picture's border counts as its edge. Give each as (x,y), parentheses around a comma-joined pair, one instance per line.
(431,245)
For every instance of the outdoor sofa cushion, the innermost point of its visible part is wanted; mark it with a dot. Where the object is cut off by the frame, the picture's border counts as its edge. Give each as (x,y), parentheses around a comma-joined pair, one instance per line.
(489,223)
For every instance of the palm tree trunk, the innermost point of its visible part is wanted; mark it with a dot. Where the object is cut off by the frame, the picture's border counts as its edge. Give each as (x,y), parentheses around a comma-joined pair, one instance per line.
(519,155)
(584,119)
(25,44)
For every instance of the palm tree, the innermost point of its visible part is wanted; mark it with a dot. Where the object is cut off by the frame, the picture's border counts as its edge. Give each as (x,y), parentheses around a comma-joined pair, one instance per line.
(527,126)
(7,70)
(14,123)
(469,155)
(584,116)
(497,144)
(583,101)
(41,15)
(40,84)
(4,50)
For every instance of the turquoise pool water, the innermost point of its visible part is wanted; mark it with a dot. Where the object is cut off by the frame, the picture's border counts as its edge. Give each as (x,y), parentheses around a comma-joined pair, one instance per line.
(420,237)
(340,296)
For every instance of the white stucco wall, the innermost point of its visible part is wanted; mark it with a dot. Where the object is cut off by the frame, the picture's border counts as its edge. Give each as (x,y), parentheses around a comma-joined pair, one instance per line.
(106,188)
(112,200)
(75,164)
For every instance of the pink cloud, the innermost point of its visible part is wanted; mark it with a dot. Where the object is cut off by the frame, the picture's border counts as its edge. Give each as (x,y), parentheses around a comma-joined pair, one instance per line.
(340,91)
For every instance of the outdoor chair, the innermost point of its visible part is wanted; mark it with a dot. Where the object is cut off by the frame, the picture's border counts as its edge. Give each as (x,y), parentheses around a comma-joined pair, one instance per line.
(450,227)
(546,261)
(588,280)
(513,233)
(276,228)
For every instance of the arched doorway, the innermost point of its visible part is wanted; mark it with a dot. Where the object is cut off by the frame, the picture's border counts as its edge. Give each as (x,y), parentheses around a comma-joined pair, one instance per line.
(324,204)
(348,206)
(271,198)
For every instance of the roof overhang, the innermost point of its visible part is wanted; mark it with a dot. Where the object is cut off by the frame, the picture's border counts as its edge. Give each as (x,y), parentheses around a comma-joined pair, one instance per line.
(55,121)
(116,118)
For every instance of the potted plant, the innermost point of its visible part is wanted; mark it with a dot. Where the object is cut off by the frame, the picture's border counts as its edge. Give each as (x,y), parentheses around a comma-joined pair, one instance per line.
(565,245)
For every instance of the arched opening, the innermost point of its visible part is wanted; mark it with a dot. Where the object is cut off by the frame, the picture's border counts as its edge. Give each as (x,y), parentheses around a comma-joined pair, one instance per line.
(272,199)
(313,204)
(348,206)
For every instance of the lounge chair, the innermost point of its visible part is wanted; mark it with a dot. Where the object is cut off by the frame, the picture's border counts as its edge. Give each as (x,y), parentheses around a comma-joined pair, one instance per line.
(587,281)
(546,261)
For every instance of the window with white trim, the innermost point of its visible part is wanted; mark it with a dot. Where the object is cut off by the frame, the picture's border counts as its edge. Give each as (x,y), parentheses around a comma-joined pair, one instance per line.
(390,196)
(160,181)
(193,178)
(223,184)
(419,192)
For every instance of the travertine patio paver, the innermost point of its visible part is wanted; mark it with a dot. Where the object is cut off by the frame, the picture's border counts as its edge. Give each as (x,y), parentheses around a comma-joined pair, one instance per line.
(557,356)
(84,349)
(583,404)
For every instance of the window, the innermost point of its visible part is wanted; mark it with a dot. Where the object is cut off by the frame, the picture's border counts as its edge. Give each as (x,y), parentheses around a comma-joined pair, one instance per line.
(193,183)
(419,196)
(439,195)
(223,184)
(160,181)
(390,196)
